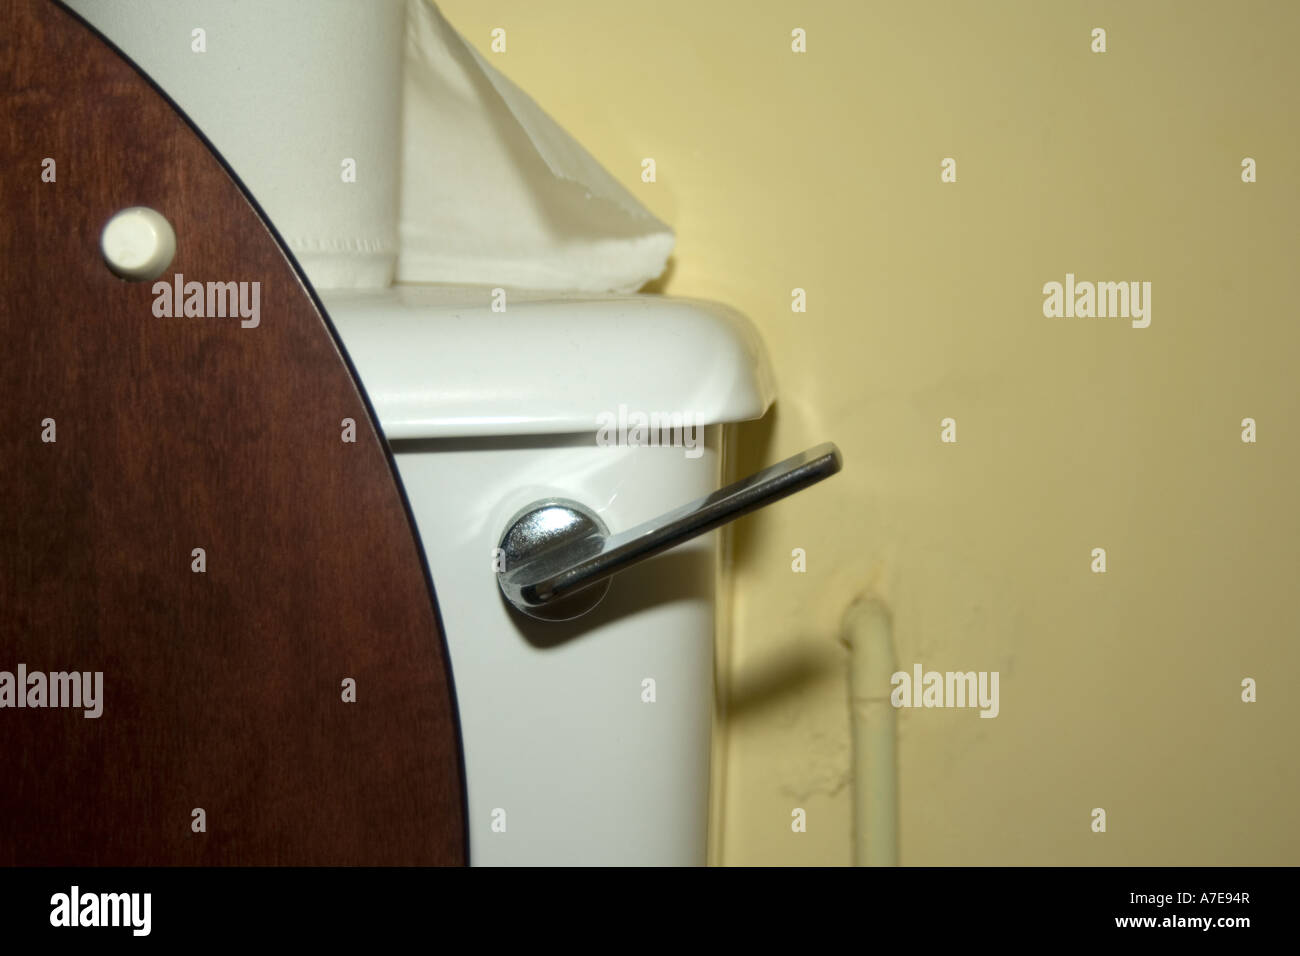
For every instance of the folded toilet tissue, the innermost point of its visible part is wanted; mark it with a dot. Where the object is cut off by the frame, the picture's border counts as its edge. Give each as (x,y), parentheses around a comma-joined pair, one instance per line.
(381,144)
(494,191)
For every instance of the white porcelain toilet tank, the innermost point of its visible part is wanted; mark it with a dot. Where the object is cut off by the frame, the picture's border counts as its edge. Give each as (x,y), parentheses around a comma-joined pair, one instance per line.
(586,741)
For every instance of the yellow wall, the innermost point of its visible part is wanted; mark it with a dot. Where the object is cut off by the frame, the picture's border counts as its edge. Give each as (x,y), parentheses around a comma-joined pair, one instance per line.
(1118,690)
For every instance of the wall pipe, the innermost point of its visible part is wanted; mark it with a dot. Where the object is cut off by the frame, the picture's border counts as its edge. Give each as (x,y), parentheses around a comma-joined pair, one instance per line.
(868,631)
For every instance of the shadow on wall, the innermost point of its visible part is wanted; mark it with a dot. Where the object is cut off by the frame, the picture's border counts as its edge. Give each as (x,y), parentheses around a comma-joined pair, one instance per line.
(659,286)
(783,673)
(752,451)
(803,659)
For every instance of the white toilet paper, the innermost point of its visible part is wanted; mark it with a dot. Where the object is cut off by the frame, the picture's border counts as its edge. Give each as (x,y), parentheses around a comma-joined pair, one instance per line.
(302,98)
(346,118)
(495,192)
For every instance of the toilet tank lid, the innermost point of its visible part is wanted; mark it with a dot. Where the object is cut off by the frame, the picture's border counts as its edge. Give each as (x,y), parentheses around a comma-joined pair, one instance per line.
(438,362)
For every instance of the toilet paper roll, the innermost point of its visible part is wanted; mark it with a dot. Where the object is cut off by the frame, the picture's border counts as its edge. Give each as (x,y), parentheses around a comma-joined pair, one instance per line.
(354,122)
(495,192)
(302,98)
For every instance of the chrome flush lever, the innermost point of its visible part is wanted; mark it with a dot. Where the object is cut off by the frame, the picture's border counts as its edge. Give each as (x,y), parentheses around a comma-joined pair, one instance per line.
(559,556)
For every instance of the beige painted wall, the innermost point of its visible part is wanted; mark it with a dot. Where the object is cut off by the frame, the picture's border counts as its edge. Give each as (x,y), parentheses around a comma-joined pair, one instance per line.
(821,171)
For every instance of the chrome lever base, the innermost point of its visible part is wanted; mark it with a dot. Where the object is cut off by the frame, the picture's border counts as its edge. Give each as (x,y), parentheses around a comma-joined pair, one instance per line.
(555,524)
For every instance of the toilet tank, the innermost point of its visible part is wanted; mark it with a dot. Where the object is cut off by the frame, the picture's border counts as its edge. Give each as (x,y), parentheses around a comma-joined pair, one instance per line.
(586,742)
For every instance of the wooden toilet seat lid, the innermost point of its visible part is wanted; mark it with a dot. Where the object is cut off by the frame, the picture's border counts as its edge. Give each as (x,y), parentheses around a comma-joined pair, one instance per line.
(183,515)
